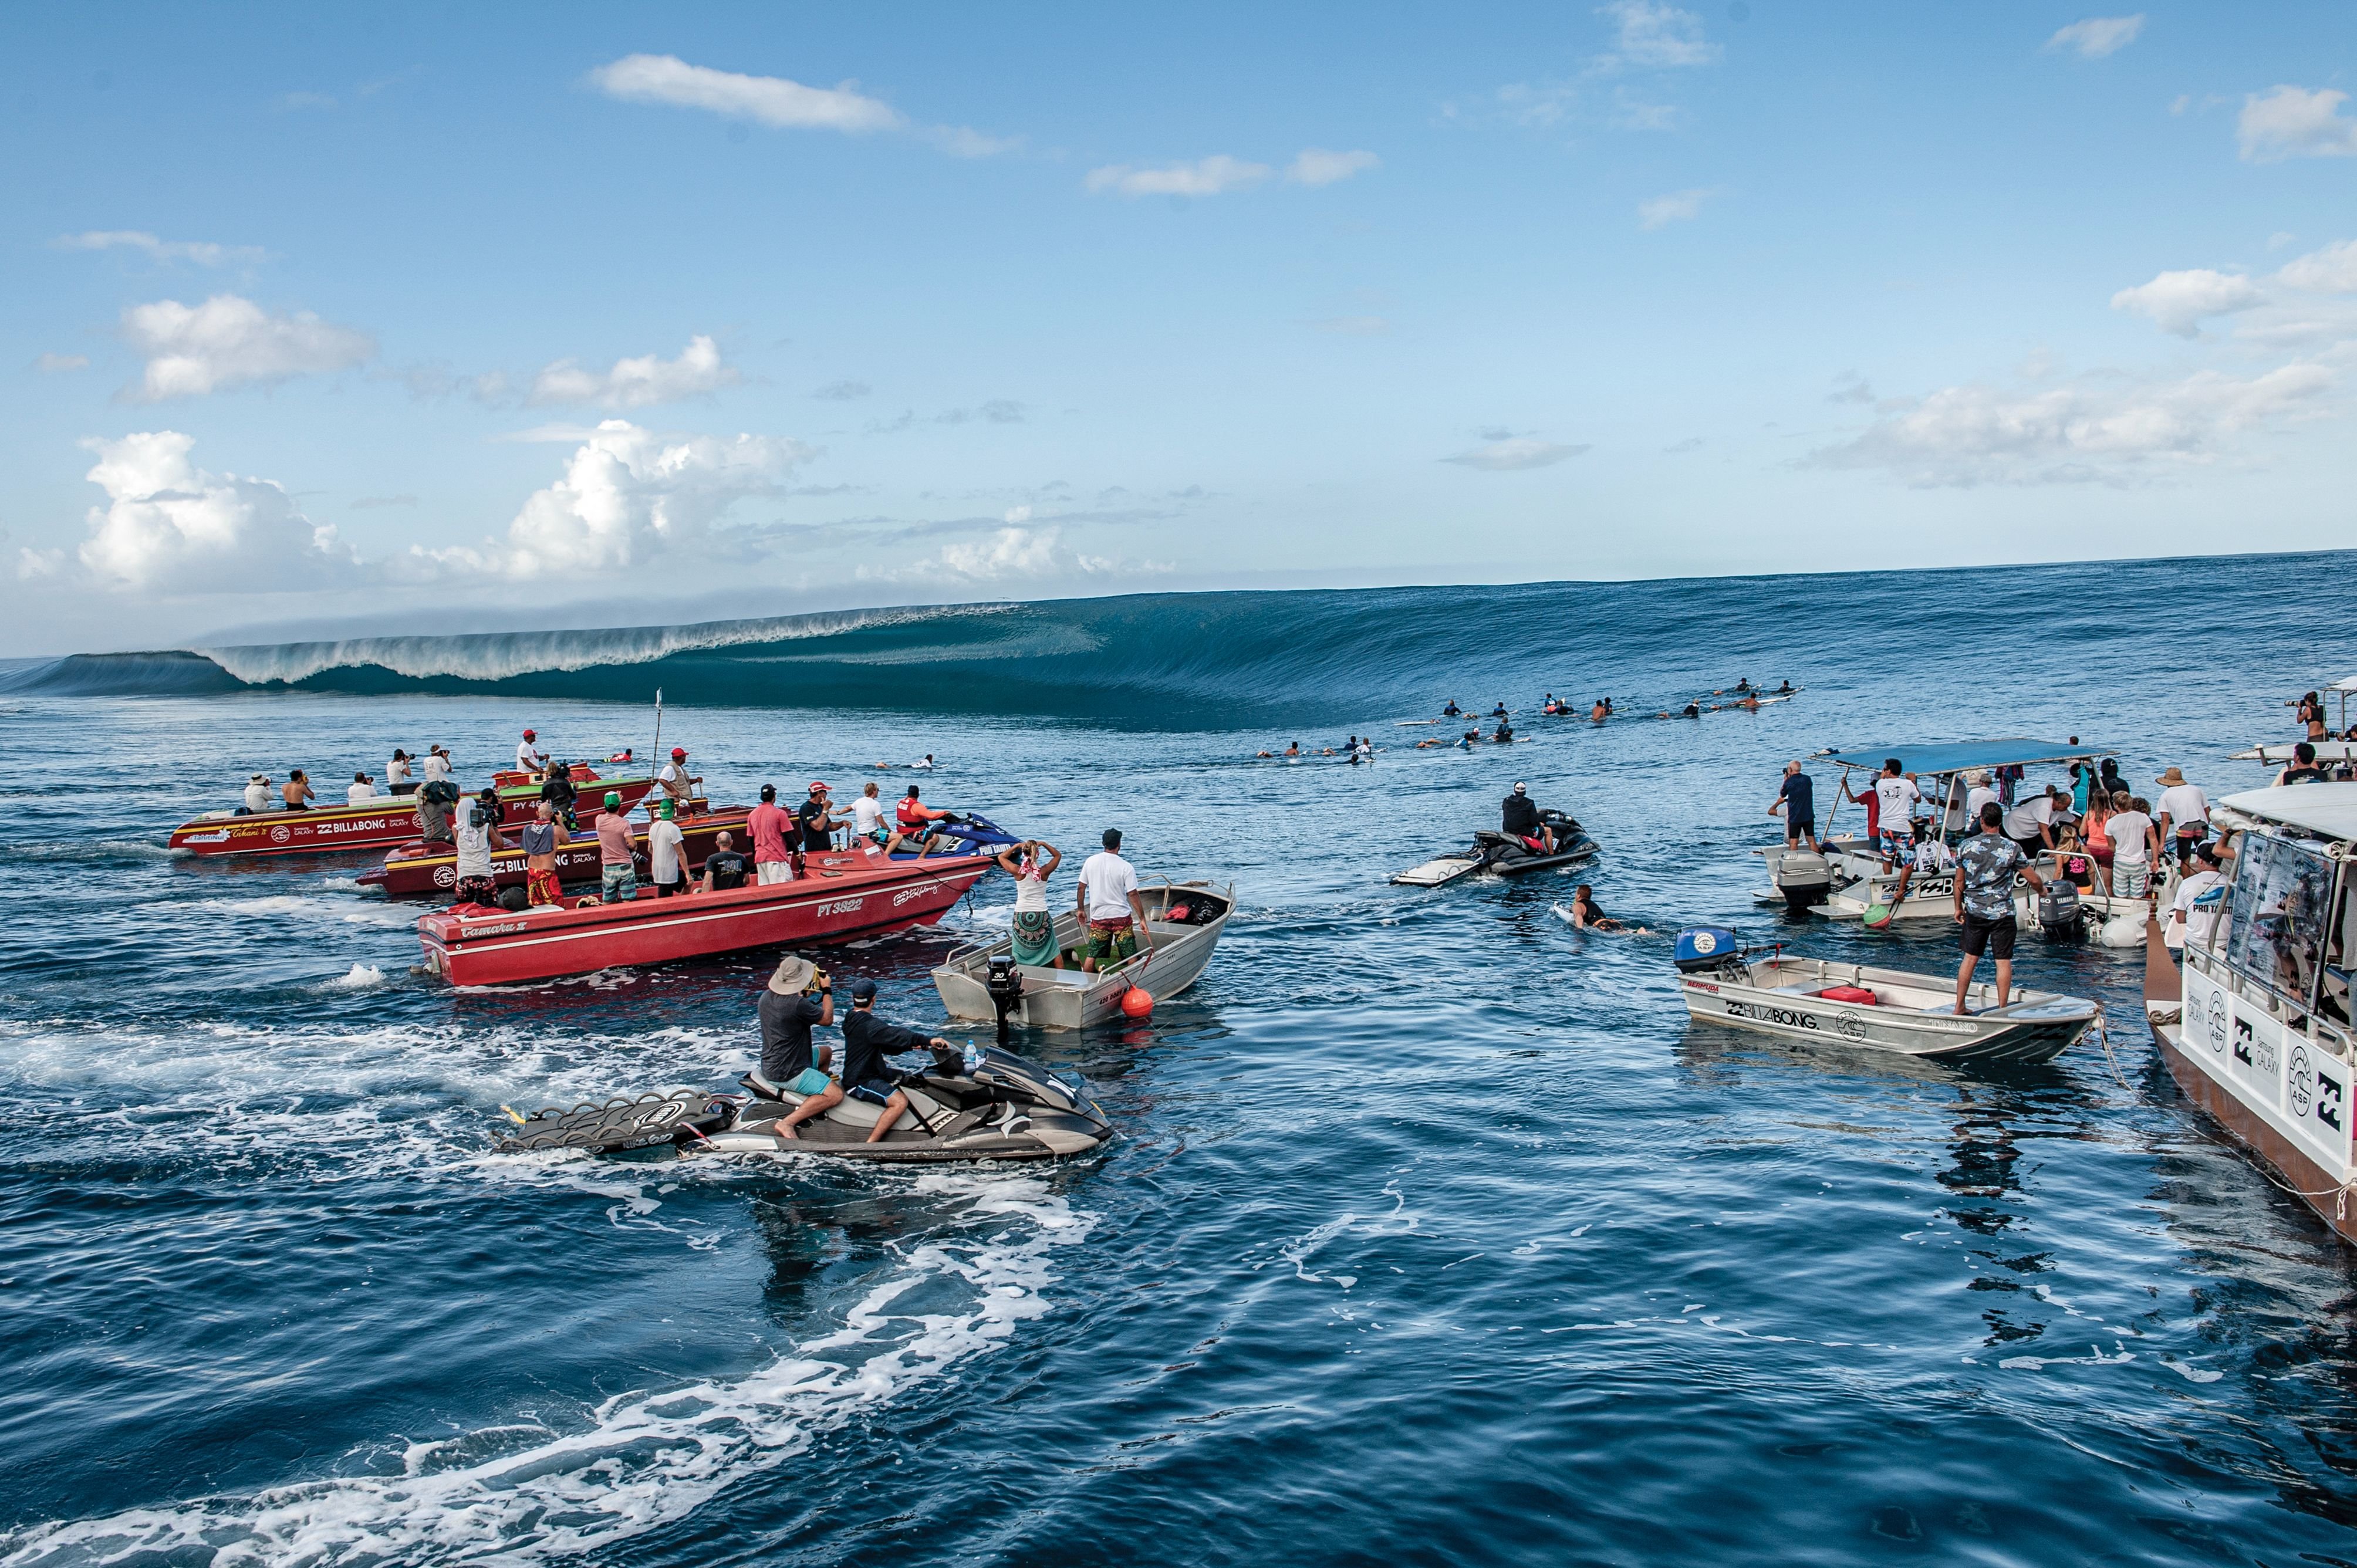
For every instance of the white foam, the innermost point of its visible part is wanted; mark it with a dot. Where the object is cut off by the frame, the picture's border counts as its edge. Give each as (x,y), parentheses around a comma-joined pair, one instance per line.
(641,1459)
(361,977)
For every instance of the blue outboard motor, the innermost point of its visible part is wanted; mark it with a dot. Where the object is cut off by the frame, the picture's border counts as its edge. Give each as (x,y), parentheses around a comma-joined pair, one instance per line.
(1706,947)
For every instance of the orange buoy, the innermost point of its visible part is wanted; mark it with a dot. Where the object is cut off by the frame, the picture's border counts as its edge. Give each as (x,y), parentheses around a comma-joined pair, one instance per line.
(1135,1003)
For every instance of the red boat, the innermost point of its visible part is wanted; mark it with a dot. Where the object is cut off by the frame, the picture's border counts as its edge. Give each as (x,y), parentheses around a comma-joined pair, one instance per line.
(419,870)
(334,830)
(840,895)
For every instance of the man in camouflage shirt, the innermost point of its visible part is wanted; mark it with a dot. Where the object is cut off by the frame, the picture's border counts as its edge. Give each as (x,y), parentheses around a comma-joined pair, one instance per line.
(1985,866)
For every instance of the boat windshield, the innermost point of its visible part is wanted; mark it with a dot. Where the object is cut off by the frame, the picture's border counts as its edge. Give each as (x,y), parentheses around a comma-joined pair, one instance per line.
(2276,935)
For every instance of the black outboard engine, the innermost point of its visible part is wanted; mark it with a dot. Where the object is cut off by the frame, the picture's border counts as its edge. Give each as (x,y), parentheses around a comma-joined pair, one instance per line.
(2060,917)
(1005,988)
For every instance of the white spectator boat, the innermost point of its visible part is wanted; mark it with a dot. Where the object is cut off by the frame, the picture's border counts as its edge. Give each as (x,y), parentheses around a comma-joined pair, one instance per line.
(1184,919)
(2256,1028)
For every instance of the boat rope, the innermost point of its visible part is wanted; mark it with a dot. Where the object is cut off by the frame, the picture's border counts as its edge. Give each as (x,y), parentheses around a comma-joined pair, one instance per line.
(2103,1036)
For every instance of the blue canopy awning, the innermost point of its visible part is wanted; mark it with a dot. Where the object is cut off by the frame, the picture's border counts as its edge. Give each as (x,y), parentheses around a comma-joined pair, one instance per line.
(1953,756)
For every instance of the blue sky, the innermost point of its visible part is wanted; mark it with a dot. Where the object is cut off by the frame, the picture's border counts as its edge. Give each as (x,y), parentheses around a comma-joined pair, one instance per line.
(446,319)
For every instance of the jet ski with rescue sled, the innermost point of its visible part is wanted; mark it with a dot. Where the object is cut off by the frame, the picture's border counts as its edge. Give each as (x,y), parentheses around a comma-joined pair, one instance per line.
(981,1104)
(1530,839)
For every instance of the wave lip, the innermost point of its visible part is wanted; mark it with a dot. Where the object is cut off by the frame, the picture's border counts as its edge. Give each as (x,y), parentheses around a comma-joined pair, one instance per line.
(503,655)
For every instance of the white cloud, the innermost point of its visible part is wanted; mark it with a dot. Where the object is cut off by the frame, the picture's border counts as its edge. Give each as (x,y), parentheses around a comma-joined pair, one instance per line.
(1675,207)
(629,496)
(1655,35)
(2332,270)
(964,142)
(170,526)
(2291,121)
(1507,454)
(637,382)
(1014,552)
(1205,176)
(203,253)
(1538,105)
(57,364)
(2177,302)
(227,342)
(2098,36)
(2101,431)
(1315,166)
(771,101)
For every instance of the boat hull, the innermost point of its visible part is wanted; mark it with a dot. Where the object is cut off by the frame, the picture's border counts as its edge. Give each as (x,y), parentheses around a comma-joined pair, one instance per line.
(843,897)
(411,871)
(339,829)
(2037,1028)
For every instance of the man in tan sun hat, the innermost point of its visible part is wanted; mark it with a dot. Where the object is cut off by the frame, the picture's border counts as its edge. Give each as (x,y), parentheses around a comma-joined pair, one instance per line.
(2184,813)
(797,998)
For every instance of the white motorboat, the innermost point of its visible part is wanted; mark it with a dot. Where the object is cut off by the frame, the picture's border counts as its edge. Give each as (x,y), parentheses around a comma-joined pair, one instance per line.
(2258,1027)
(1183,921)
(1870,1008)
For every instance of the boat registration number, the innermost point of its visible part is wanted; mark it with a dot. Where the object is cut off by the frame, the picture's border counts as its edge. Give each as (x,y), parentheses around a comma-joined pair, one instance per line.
(841,907)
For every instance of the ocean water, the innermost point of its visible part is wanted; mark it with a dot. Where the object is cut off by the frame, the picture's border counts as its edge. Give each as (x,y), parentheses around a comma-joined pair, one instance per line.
(1435,1233)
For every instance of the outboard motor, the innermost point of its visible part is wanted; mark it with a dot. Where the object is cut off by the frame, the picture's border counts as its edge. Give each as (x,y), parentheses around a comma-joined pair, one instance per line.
(1005,989)
(2059,913)
(1805,880)
(1706,947)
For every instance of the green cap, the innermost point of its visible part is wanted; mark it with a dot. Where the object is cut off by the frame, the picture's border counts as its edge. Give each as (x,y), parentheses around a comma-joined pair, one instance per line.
(665,808)
(613,798)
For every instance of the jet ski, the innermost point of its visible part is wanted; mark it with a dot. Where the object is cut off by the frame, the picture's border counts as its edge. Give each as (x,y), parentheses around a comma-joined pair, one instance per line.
(972,830)
(988,1104)
(1503,854)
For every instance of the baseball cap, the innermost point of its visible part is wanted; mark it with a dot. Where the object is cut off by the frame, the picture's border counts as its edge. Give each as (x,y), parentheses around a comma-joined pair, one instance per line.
(863,991)
(530,734)
(818,787)
(613,798)
(1520,789)
(678,751)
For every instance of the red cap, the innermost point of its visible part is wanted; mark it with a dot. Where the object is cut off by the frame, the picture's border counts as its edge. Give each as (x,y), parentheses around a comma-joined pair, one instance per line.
(817,785)
(529,734)
(678,752)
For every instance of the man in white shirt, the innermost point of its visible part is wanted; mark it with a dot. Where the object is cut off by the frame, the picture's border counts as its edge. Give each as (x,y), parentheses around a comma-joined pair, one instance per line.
(1110,906)
(2184,813)
(1895,811)
(2134,844)
(667,854)
(437,764)
(1979,794)
(2199,903)
(530,758)
(2030,823)
(362,791)
(867,826)
(673,782)
(257,793)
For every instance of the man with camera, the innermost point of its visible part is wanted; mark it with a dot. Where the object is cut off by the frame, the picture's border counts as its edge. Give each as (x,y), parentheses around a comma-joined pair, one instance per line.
(798,997)
(479,835)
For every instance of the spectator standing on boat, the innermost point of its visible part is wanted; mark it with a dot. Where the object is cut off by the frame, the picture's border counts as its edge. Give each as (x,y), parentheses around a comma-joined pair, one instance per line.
(2032,824)
(437,765)
(297,792)
(725,867)
(797,998)
(617,872)
(257,794)
(1797,799)
(539,839)
(1899,796)
(530,758)
(2136,847)
(2201,901)
(398,779)
(1031,862)
(768,824)
(2083,781)
(866,1041)
(816,820)
(435,799)
(1873,804)
(1987,864)
(361,791)
(2302,768)
(666,854)
(1109,903)
(2184,813)
(478,836)
(673,780)
(2096,828)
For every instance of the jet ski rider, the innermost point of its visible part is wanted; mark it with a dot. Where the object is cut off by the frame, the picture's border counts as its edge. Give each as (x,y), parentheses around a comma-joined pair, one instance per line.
(866,1041)
(1522,821)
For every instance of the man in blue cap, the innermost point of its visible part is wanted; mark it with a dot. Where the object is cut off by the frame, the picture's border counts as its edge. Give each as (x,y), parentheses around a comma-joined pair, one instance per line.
(866,1041)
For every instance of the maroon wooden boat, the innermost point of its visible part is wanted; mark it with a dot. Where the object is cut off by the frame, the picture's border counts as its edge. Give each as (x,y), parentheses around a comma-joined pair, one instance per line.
(420,870)
(843,894)
(339,829)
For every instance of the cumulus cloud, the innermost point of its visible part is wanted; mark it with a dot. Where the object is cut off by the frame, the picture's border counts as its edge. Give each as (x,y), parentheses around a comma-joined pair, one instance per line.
(1654,36)
(772,100)
(169,525)
(1011,553)
(636,383)
(2098,36)
(1678,206)
(57,364)
(2332,270)
(628,496)
(2177,302)
(1505,454)
(1205,176)
(2286,121)
(1315,166)
(203,253)
(230,342)
(2103,431)
(1537,105)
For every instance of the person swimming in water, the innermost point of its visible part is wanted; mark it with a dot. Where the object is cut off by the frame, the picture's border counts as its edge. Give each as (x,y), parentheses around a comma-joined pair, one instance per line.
(1785,690)
(1586,915)
(1599,714)
(1452,711)
(1505,733)
(1692,711)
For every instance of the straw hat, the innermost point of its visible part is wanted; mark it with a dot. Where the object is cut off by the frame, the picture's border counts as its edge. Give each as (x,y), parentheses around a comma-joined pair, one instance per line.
(793,976)
(1977,776)
(2170,775)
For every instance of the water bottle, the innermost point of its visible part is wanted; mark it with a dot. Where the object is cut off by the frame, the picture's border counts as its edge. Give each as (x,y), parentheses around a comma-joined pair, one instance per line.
(972,1059)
